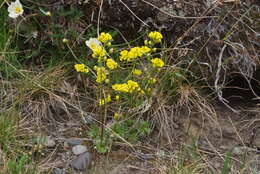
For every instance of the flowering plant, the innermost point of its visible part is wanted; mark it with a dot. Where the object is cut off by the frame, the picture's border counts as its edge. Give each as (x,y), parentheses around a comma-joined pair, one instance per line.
(125,78)
(124,73)
(15,9)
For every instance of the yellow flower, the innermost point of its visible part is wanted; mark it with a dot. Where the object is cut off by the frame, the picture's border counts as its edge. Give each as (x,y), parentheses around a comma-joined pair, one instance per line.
(123,55)
(105,38)
(128,87)
(134,53)
(137,72)
(121,87)
(155,36)
(15,9)
(145,49)
(104,101)
(108,99)
(81,68)
(157,63)
(111,64)
(132,86)
(101,74)
(142,92)
(101,102)
(98,52)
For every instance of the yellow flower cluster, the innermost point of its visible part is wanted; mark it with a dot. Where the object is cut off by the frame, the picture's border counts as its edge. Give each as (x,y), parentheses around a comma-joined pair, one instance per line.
(155,36)
(111,64)
(81,68)
(137,72)
(128,87)
(123,55)
(132,86)
(134,53)
(98,52)
(101,74)
(105,100)
(157,63)
(105,63)
(105,38)
(121,87)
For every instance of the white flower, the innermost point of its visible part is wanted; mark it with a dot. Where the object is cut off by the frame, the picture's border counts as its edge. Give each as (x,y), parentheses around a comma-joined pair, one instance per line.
(15,9)
(92,43)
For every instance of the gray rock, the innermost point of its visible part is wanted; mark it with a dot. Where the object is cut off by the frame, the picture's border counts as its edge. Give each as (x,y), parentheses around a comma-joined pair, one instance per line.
(82,162)
(74,141)
(58,171)
(79,149)
(88,119)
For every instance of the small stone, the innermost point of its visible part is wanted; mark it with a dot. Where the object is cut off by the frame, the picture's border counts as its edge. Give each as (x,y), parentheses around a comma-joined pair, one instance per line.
(58,171)
(50,142)
(74,141)
(82,162)
(79,149)
(89,118)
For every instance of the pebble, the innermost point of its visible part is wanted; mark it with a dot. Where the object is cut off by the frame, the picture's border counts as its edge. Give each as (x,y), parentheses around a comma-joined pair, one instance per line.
(88,119)
(81,162)
(79,149)
(58,171)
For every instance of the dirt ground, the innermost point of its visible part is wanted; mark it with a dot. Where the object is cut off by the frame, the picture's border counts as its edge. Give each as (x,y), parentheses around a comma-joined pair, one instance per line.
(209,138)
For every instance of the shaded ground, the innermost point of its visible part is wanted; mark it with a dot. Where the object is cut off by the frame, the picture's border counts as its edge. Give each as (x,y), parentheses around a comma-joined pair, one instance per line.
(199,140)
